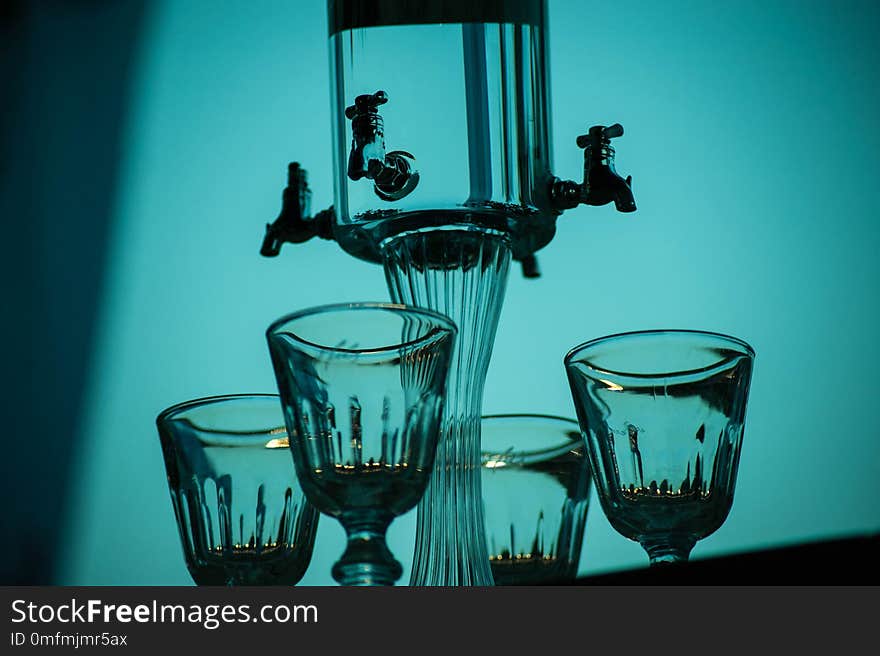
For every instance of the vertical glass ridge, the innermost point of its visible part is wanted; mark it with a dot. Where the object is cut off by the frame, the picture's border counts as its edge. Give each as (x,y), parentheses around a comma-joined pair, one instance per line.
(461,273)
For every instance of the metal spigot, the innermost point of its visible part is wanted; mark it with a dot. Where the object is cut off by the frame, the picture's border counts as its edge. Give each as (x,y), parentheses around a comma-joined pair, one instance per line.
(393,174)
(294,224)
(602,184)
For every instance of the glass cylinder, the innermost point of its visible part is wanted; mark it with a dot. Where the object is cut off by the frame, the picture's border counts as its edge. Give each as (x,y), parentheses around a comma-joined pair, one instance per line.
(465,102)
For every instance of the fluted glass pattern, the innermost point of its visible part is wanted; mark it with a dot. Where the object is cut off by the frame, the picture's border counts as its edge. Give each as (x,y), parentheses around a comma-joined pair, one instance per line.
(461,273)
(242,517)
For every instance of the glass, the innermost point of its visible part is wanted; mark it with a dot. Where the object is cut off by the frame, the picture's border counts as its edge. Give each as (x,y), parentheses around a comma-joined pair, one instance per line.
(663,413)
(242,517)
(536,493)
(484,160)
(362,387)
(461,273)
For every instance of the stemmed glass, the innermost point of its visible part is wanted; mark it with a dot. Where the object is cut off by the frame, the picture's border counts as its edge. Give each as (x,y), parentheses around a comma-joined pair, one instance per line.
(663,414)
(242,517)
(362,387)
(536,490)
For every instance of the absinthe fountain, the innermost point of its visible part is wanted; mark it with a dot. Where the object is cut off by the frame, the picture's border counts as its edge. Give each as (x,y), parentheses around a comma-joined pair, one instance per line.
(443,175)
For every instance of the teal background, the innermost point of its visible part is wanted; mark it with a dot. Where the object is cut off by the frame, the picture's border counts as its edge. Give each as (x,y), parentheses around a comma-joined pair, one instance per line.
(751,136)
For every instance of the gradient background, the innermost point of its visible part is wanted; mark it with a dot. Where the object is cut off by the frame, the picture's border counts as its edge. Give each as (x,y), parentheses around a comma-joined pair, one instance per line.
(144,148)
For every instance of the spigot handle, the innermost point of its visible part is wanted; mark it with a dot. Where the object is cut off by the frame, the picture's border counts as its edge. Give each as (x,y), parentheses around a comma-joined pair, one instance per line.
(598,134)
(613,131)
(366,104)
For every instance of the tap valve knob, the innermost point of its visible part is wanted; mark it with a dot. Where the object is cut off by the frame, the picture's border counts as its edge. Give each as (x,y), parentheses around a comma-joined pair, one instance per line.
(366,104)
(600,135)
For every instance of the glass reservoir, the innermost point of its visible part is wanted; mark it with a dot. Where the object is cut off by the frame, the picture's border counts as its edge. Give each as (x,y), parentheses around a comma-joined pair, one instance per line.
(464,104)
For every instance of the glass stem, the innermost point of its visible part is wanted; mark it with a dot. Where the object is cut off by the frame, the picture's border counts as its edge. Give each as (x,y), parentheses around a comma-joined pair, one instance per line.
(367,559)
(667,549)
(462,273)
